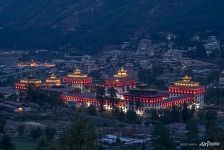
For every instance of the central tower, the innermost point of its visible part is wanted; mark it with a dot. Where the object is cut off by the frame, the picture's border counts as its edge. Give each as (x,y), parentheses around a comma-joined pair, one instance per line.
(121,82)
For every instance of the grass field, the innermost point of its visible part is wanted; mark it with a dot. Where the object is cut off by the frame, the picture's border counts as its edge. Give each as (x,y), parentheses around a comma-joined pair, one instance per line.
(21,144)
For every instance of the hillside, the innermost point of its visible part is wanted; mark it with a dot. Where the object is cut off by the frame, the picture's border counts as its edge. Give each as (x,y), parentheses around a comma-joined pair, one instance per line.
(89,25)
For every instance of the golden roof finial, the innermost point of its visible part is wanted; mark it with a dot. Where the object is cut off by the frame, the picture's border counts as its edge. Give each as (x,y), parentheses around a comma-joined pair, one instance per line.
(121,73)
(53,76)
(186,81)
(53,80)
(186,78)
(77,73)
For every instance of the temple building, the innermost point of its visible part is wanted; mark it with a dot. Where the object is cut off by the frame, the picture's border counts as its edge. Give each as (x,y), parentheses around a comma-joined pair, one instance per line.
(77,79)
(186,87)
(79,99)
(177,101)
(86,99)
(143,98)
(23,84)
(52,81)
(121,82)
(35,64)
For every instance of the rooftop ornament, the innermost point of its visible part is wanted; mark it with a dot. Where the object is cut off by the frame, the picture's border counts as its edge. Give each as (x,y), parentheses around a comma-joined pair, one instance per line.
(121,73)
(186,78)
(186,81)
(77,73)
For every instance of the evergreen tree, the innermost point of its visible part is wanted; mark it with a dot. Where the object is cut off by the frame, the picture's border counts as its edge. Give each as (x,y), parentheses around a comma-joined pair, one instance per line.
(119,114)
(42,145)
(5,143)
(192,128)
(185,113)
(175,114)
(113,97)
(82,136)
(100,96)
(31,93)
(153,114)
(92,110)
(212,129)
(21,129)
(36,133)
(161,139)
(50,133)
(131,116)
(2,124)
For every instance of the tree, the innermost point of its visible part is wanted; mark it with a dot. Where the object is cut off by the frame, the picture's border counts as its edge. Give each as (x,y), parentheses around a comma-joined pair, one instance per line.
(149,76)
(153,114)
(146,76)
(36,133)
(175,114)
(92,110)
(81,136)
(185,113)
(161,139)
(1,128)
(210,115)
(192,128)
(30,92)
(119,114)
(192,111)
(40,97)
(2,124)
(21,129)
(50,133)
(100,96)
(5,143)
(2,96)
(42,145)
(12,97)
(131,116)
(113,97)
(212,129)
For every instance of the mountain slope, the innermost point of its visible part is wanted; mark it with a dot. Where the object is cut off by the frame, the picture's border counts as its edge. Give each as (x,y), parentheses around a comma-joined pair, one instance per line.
(91,24)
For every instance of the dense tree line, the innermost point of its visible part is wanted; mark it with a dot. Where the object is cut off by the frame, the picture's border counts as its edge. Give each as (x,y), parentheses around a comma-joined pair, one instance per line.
(81,136)
(37,96)
(149,77)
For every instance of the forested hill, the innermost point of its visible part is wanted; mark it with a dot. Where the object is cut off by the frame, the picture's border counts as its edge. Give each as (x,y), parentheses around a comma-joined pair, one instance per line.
(89,25)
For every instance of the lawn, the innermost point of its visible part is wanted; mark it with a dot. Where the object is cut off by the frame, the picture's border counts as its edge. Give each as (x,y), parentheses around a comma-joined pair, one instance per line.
(21,144)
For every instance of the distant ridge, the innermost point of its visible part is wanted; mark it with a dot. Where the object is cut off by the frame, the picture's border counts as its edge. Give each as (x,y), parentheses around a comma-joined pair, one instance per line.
(89,25)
